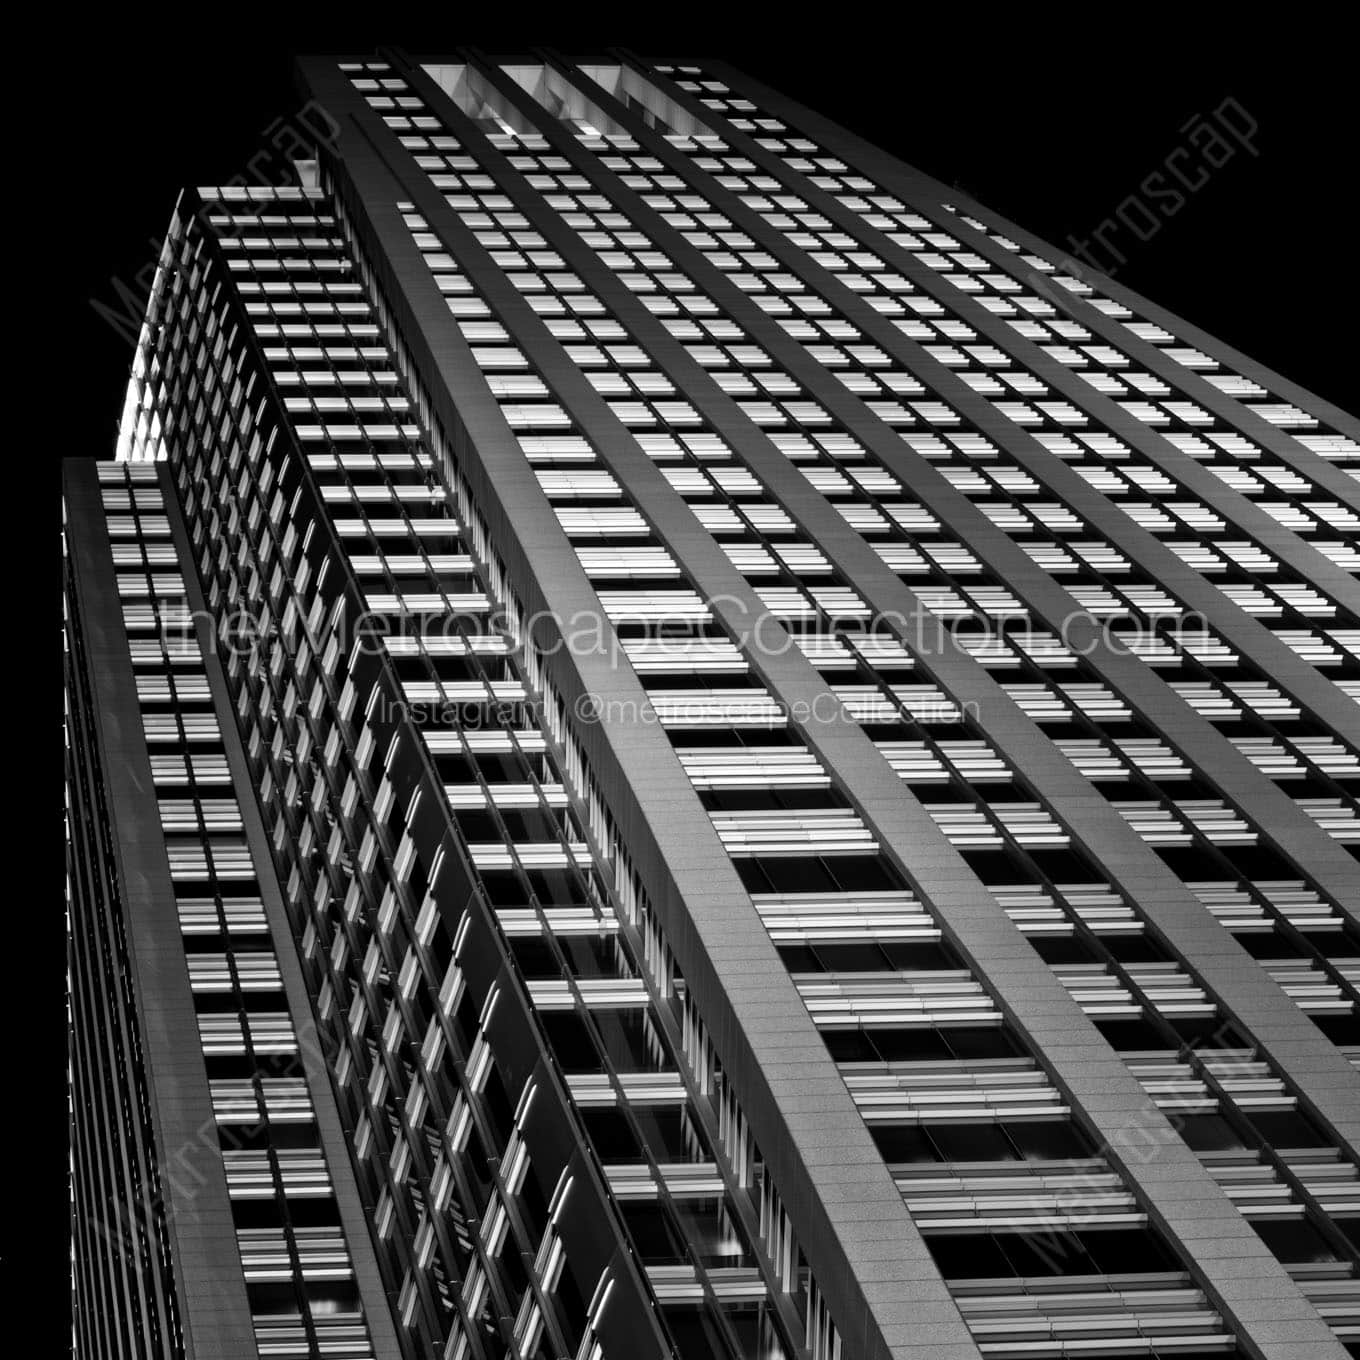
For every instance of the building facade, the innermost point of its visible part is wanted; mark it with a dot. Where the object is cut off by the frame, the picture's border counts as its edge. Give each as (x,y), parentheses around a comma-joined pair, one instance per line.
(680,742)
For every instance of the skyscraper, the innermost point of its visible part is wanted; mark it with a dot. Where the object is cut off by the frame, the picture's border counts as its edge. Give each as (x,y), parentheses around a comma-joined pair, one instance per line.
(682,742)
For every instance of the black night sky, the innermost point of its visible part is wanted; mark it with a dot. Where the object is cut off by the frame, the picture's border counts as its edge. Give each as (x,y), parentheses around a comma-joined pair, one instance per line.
(1052,123)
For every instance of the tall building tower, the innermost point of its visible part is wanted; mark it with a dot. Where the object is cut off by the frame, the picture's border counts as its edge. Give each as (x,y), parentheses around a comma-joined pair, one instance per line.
(682,743)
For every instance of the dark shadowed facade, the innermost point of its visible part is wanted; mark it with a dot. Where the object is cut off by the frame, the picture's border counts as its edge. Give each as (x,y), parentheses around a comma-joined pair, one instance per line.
(682,743)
